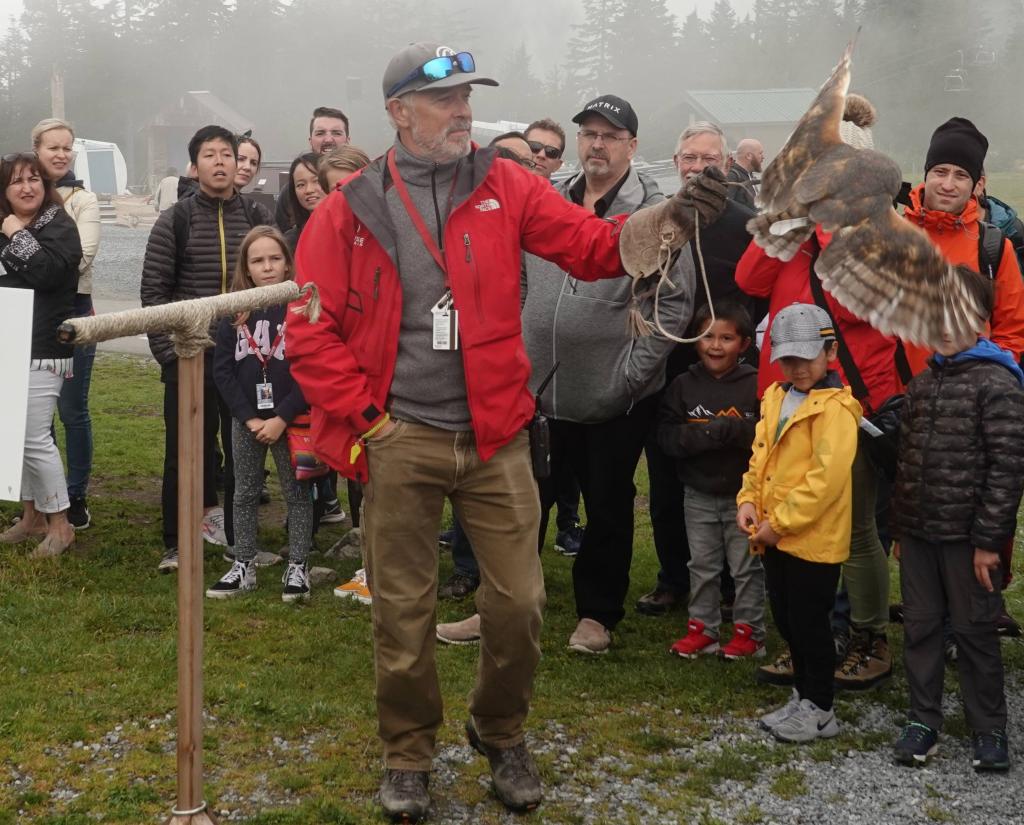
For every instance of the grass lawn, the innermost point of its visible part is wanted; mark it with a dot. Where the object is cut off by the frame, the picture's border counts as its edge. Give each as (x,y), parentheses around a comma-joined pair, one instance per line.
(87,678)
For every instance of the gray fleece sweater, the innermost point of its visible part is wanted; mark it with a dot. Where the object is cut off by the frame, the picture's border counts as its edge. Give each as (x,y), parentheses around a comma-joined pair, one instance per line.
(602,369)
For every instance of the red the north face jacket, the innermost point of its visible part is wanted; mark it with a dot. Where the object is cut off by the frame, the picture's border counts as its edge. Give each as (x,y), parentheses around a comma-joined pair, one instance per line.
(345,362)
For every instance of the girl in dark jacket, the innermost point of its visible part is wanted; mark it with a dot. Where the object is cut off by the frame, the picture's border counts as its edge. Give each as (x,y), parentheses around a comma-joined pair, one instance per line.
(250,369)
(40,250)
(302,194)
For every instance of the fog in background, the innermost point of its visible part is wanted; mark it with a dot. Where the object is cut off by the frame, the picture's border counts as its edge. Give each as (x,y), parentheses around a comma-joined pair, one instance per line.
(271,62)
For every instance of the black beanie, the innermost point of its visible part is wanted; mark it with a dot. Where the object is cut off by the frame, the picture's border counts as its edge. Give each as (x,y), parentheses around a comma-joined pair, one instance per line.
(958,141)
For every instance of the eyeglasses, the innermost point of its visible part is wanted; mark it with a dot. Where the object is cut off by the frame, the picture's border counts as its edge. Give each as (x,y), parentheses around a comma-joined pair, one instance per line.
(437,68)
(710,160)
(529,163)
(550,152)
(590,136)
(14,157)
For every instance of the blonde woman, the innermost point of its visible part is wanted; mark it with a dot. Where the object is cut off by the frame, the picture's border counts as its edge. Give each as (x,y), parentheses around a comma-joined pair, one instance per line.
(53,141)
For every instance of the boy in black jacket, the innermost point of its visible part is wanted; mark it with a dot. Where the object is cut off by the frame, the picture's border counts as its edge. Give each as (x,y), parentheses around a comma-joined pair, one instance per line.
(707,423)
(955,499)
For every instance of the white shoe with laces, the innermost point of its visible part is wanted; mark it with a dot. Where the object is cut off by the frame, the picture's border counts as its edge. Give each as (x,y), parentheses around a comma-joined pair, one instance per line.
(241,578)
(776,717)
(213,527)
(807,723)
(296,583)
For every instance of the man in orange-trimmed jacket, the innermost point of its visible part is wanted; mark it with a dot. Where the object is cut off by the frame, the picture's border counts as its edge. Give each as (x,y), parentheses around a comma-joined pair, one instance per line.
(944,206)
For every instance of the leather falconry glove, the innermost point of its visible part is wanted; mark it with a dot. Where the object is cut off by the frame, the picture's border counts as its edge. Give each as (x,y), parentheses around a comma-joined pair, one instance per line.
(651,236)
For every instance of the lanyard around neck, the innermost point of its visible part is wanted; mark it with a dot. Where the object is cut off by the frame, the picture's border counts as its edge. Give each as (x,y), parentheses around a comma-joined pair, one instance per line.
(264,359)
(414,215)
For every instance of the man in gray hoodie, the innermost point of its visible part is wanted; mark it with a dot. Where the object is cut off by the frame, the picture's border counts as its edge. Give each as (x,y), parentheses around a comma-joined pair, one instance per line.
(601,401)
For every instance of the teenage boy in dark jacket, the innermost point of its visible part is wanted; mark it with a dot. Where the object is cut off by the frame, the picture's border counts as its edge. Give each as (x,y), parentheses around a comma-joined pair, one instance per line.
(955,500)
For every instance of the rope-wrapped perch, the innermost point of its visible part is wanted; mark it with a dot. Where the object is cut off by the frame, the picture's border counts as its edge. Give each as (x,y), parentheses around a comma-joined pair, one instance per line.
(187,322)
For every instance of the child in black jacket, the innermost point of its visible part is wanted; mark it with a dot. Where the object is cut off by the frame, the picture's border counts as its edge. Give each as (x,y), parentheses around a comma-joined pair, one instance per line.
(707,423)
(251,371)
(958,487)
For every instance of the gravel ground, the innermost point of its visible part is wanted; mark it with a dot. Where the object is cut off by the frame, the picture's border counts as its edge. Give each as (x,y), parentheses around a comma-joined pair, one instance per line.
(851,787)
(117,270)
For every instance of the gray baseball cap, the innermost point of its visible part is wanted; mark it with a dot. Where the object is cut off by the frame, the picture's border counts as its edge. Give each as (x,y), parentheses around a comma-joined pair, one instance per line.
(403,75)
(801,330)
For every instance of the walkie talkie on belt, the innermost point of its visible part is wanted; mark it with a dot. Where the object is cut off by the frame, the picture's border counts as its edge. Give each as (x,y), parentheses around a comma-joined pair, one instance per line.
(540,433)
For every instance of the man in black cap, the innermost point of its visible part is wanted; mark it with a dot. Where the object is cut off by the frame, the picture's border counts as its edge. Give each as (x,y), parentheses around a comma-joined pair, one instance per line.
(418,381)
(605,393)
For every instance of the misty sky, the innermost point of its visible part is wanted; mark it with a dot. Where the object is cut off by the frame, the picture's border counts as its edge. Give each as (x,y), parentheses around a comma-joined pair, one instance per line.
(679,7)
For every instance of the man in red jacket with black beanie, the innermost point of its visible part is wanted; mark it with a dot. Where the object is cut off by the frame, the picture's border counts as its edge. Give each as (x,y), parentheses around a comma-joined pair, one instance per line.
(417,377)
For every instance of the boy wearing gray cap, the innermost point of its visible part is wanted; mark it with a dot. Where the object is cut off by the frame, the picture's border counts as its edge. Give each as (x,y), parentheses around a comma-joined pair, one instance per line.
(796,506)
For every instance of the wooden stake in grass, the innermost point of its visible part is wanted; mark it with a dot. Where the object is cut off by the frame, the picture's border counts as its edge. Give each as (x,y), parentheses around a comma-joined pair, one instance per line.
(188,322)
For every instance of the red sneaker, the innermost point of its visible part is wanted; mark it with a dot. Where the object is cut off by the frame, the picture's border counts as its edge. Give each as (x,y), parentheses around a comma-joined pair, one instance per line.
(742,645)
(695,642)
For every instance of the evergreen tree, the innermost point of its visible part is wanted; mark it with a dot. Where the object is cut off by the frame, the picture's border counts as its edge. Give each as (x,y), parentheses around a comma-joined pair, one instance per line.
(592,46)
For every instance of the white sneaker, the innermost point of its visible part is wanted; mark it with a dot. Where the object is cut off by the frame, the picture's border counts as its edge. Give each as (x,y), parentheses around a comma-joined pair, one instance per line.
(296,583)
(241,578)
(807,723)
(213,527)
(770,720)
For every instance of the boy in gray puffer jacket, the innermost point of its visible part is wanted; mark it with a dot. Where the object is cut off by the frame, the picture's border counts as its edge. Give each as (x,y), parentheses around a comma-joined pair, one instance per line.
(955,500)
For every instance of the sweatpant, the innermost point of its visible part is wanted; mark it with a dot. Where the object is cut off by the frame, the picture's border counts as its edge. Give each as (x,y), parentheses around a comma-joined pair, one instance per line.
(801,594)
(42,472)
(250,456)
(603,457)
(412,469)
(936,578)
(716,540)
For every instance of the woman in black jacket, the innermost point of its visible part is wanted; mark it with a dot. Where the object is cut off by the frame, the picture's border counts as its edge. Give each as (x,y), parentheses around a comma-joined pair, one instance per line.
(40,250)
(302,194)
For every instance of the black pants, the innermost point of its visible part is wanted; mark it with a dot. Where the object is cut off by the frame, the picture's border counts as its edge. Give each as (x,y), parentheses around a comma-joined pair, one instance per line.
(667,521)
(801,594)
(936,579)
(603,458)
(216,417)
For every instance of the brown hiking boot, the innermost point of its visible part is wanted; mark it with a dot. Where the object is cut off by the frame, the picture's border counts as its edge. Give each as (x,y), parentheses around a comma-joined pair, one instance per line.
(779,672)
(403,795)
(515,776)
(868,662)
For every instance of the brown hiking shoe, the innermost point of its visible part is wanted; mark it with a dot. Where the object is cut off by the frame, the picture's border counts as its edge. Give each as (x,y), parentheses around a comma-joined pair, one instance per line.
(403,795)
(779,672)
(868,662)
(515,777)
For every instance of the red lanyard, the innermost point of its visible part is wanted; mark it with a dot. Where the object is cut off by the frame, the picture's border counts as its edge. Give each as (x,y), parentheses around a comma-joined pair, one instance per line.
(264,360)
(414,215)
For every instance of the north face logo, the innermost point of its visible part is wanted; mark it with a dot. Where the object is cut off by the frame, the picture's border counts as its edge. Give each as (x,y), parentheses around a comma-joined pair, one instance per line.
(488,205)
(359,240)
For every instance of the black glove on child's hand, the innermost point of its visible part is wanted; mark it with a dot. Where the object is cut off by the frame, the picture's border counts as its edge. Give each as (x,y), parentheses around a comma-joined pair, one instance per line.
(706,192)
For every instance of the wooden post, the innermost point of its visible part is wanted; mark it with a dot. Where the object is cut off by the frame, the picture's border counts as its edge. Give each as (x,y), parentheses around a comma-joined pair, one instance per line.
(190,808)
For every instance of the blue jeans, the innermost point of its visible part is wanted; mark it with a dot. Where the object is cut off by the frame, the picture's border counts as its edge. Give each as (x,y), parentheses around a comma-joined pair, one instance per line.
(462,553)
(73,406)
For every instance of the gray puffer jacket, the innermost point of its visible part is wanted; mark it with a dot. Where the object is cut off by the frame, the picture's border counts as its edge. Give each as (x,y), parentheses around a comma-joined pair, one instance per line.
(208,264)
(961,455)
(602,369)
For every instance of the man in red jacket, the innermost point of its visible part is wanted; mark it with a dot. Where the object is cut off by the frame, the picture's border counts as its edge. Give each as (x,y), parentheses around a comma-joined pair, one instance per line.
(417,378)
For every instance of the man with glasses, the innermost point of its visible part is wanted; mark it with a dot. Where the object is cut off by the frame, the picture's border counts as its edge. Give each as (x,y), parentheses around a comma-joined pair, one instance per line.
(547,142)
(747,162)
(603,398)
(722,245)
(418,381)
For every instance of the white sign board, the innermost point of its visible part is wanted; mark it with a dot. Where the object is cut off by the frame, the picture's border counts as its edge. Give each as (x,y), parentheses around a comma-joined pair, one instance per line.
(16,321)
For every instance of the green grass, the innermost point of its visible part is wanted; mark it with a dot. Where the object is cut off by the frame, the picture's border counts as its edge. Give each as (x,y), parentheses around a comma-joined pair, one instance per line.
(89,644)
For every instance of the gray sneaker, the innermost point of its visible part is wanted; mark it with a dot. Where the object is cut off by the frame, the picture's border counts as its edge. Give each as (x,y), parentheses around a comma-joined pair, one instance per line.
(403,795)
(776,717)
(515,776)
(806,723)
(169,562)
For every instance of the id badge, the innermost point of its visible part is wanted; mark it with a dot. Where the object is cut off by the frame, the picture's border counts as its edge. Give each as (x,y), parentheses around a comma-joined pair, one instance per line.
(265,396)
(445,324)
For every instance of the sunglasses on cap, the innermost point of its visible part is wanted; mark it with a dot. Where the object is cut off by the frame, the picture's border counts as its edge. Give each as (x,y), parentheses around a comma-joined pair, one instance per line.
(550,152)
(437,68)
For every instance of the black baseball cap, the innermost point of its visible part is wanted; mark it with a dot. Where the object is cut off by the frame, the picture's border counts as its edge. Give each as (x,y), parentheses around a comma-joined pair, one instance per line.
(400,75)
(614,109)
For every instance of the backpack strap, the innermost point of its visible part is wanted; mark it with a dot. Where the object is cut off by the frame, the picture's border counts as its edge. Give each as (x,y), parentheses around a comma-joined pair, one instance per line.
(860,390)
(990,249)
(182,227)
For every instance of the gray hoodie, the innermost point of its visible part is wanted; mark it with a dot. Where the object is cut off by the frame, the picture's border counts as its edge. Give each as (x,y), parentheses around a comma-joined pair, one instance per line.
(602,369)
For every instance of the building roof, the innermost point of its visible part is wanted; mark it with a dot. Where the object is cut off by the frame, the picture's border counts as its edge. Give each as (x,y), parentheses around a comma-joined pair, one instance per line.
(726,106)
(207,106)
